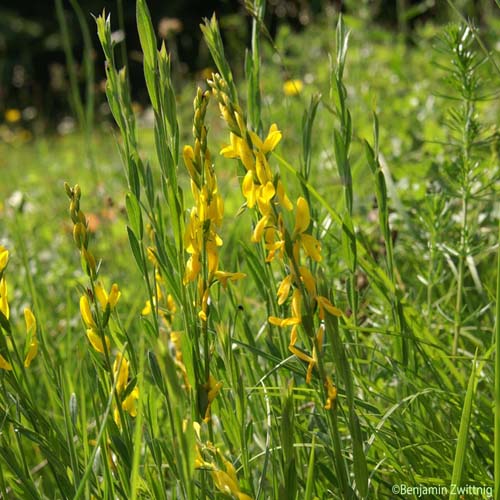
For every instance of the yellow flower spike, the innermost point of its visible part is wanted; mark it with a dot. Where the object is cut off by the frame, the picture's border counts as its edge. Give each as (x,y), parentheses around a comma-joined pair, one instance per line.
(4,258)
(325,305)
(302,216)
(120,372)
(283,198)
(4,364)
(129,404)
(223,277)
(32,341)
(86,312)
(259,229)
(292,88)
(284,289)
(4,299)
(96,342)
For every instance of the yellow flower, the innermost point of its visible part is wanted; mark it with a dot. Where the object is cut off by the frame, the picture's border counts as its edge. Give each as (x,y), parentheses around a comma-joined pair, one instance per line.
(284,289)
(309,243)
(105,299)
(4,258)
(302,216)
(270,142)
(223,277)
(259,229)
(120,372)
(129,404)
(12,115)
(325,305)
(331,391)
(4,364)
(227,482)
(4,303)
(32,342)
(86,312)
(293,87)
(213,388)
(96,341)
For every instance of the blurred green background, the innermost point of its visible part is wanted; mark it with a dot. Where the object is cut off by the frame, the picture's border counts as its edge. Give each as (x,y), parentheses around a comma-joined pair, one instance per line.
(34,79)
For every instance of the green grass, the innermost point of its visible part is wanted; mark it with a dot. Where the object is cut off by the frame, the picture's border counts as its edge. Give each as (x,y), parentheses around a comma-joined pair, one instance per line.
(412,357)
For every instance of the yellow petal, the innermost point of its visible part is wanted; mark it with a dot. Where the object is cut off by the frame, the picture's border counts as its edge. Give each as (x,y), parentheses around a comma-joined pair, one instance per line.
(311,246)
(293,87)
(96,342)
(86,312)
(284,289)
(147,308)
(302,216)
(283,198)
(114,296)
(272,140)
(120,371)
(259,229)
(129,403)
(4,302)
(4,258)
(30,320)
(297,304)
(308,280)
(248,189)
(326,305)
(32,352)
(4,364)
(101,295)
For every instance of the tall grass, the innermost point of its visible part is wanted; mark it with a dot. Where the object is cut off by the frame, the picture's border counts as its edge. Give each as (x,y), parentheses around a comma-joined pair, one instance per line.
(276,344)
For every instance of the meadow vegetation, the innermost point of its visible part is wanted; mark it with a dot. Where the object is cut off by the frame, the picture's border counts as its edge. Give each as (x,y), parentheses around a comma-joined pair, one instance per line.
(284,286)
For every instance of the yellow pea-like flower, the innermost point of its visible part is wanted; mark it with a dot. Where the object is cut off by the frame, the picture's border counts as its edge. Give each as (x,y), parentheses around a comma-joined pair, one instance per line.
(259,229)
(105,299)
(129,404)
(4,302)
(96,341)
(4,258)
(86,312)
(32,341)
(223,277)
(284,289)
(302,216)
(120,371)
(325,305)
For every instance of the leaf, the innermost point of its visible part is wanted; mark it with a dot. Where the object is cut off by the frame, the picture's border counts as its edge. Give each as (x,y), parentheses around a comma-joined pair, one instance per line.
(134,215)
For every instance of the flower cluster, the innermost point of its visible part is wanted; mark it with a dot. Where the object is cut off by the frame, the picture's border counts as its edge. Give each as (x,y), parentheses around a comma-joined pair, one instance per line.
(96,305)
(266,192)
(225,480)
(31,342)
